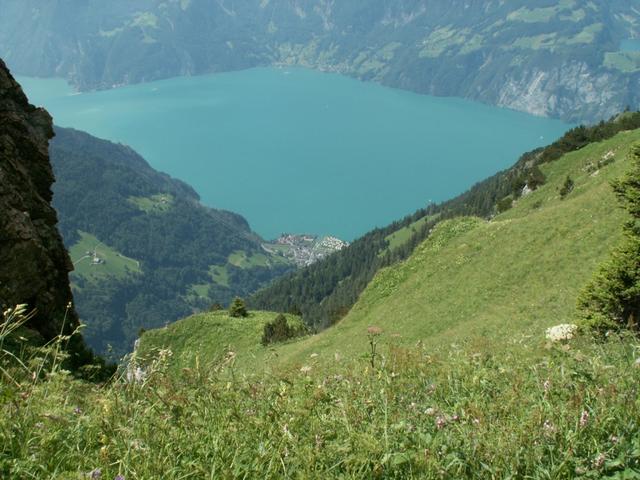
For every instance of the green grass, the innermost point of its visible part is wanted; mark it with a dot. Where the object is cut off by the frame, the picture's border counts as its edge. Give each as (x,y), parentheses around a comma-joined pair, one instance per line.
(116,264)
(155,203)
(537,15)
(402,236)
(240,259)
(206,337)
(627,62)
(527,410)
(219,275)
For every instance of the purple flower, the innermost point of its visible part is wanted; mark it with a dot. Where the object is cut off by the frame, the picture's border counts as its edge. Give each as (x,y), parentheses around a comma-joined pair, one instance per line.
(96,474)
(119,477)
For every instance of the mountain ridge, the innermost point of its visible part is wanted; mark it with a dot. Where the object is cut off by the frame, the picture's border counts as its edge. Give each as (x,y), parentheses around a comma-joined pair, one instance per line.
(562,60)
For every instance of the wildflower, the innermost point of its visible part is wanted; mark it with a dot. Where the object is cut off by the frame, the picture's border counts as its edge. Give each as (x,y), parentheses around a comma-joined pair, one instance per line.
(305,369)
(549,428)
(598,462)
(39,425)
(374,331)
(565,331)
(614,439)
(584,419)
(136,375)
(430,411)
(95,474)
(476,421)
(77,410)
(119,477)
(441,422)
(455,418)
(547,386)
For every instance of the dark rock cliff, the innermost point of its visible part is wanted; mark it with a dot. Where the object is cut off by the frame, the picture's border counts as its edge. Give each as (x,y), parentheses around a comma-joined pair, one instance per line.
(34,264)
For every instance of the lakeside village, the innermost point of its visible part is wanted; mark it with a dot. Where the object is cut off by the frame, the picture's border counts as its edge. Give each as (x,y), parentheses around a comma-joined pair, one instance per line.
(304,250)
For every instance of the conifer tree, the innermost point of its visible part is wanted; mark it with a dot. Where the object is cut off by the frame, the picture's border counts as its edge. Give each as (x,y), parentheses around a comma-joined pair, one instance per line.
(238,308)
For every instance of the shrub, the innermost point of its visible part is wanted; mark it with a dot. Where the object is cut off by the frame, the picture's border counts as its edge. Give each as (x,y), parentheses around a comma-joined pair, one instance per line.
(567,187)
(504,204)
(278,330)
(238,309)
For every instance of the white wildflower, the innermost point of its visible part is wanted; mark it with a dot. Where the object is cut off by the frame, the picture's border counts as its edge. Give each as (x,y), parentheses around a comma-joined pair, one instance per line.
(305,369)
(549,428)
(565,331)
(136,374)
(584,419)
(598,462)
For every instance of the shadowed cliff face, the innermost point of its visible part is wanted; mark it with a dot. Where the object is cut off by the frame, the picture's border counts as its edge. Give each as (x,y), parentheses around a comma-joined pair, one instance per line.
(34,265)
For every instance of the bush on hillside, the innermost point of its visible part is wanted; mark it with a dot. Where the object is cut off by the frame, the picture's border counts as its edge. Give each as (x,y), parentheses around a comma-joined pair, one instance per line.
(612,298)
(567,187)
(504,204)
(278,330)
(238,309)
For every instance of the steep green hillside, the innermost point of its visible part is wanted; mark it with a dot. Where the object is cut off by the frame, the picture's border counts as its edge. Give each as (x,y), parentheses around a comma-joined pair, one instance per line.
(326,291)
(145,251)
(561,58)
(472,278)
(518,273)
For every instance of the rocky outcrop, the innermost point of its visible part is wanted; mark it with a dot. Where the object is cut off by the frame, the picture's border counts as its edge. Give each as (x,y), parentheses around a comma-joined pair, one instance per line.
(34,264)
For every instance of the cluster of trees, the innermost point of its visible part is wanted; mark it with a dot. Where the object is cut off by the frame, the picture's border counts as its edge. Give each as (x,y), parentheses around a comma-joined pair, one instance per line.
(96,181)
(324,292)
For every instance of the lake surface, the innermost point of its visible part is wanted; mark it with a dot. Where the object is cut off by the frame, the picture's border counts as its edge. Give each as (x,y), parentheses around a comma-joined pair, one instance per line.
(302,151)
(631,45)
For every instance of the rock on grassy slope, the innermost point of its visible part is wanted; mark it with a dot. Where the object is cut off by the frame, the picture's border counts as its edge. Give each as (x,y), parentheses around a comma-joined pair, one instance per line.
(516,274)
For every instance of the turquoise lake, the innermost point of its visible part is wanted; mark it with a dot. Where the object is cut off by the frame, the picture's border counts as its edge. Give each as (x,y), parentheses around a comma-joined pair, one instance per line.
(302,151)
(631,45)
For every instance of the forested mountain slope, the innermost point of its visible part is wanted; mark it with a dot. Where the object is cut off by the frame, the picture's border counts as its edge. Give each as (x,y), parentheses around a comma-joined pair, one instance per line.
(145,251)
(563,58)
